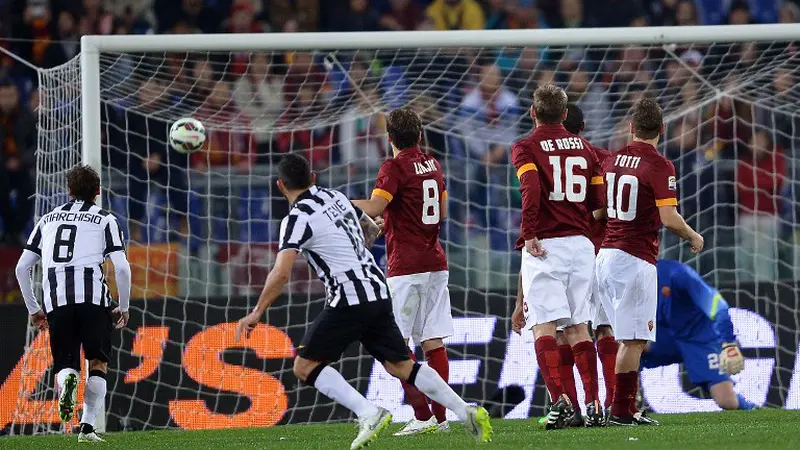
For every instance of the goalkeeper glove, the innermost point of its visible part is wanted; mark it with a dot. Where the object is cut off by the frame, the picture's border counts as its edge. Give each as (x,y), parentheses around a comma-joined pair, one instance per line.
(731,358)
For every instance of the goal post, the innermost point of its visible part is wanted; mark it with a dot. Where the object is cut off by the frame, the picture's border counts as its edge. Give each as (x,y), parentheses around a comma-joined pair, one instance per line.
(202,239)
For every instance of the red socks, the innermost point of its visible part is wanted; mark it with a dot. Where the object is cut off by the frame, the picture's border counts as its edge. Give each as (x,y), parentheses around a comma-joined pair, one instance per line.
(437,360)
(625,394)
(586,361)
(607,351)
(548,358)
(417,399)
(565,371)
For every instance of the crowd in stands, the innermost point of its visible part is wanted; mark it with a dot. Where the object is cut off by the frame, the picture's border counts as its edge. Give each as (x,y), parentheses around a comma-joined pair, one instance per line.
(269,104)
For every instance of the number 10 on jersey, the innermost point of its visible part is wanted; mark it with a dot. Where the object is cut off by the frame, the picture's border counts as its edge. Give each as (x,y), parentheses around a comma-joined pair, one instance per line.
(618,208)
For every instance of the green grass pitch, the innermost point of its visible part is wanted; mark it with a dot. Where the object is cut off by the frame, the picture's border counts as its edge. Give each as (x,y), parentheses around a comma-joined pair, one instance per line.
(763,429)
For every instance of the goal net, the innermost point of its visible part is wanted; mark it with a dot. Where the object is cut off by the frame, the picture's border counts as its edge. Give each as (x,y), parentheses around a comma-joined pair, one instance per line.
(202,228)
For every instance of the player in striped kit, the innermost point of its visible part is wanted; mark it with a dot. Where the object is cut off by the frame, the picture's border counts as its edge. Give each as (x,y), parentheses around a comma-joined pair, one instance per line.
(325,226)
(72,241)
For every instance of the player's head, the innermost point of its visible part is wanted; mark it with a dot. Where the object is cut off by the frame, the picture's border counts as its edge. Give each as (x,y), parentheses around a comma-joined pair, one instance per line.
(574,121)
(647,121)
(83,183)
(404,127)
(294,174)
(549,105)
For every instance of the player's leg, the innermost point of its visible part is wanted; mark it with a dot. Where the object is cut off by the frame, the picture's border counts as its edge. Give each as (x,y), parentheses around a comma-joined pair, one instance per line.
(406,300)
(605,342)
(576,331)
(327,337)
(96,329)
(544,303)
(700,358)
(629,284)
(383,340)
(65,346)
(565,368)
(436,323)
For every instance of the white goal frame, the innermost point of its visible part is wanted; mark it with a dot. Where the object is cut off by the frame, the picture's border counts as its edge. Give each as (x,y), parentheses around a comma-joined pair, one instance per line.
(92,46)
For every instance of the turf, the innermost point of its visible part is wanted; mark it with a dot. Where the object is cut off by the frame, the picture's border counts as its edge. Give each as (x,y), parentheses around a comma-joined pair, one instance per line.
(763,429)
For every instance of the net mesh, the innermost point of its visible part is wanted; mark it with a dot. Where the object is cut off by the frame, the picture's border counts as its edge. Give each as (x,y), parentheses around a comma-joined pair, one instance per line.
(202,227)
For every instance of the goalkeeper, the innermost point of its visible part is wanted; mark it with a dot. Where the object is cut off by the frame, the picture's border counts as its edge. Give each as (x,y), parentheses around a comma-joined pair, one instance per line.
(694,328)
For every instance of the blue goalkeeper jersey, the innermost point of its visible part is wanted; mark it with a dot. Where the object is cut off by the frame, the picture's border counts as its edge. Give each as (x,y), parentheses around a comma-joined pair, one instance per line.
(689,307)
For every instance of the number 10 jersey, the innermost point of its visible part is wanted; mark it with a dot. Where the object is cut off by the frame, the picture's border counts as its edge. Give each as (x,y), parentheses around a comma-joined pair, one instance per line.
(413,184)
(72,241)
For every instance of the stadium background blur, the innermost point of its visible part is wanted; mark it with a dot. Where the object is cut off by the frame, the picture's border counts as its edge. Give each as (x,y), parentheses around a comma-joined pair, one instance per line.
(706,150)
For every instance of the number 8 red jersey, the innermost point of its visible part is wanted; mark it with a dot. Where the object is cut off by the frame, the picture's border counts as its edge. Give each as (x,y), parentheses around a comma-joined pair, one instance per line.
(638,181)
(413,184)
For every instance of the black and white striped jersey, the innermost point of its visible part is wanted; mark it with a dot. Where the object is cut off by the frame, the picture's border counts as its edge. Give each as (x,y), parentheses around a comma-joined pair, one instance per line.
(72,241)
(324,226)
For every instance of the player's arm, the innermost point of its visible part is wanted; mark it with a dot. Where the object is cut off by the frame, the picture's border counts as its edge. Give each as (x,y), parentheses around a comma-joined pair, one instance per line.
(276,280)
(115,251)
(597,187)
(30,256)
(370,229)
(664,187)
(518,316)
(530,188)
(385,189)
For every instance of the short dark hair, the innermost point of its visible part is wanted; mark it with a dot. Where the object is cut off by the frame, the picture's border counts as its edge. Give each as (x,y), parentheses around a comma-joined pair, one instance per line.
(294,171)
(574,121)
(83,183)
(549,104)
(647,119)
(404,127)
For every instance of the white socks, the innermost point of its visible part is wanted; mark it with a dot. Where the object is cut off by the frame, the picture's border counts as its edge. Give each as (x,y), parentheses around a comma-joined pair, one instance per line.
(61,377)
(93,399)
(333,384)
(432,385)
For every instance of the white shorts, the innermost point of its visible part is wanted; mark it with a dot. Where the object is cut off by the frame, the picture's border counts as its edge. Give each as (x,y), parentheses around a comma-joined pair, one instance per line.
(629,290)
(421,305)
(600,318)
(557,288)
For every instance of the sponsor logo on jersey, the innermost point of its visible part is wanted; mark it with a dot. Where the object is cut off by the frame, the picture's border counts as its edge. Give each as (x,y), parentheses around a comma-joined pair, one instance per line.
(666,291)
(672,183)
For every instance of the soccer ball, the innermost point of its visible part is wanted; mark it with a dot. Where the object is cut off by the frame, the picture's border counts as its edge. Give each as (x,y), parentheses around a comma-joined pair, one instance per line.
(187,135)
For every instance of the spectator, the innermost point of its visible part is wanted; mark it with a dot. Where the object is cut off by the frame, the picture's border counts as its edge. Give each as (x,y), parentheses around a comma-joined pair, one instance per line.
(490,111)
(401,15)
(789,13)
(500,15)
(194,13)
(294,15)
(779,113)
(613,13)
(571,14)
(203,82)
(303,72)
(34,31)
(362,133)
(739,13)
(227,144)
(242,20)
(17,145)
(592,98)
(760,176)
(357,17)
(456,15)
(313,139)
(259,95)
(69,41)
(94,18)
(686,13)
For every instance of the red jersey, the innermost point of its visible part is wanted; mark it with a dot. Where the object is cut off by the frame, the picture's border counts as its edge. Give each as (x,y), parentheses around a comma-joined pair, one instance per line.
(597,228)
(560,182)
(638,181)
(413,184)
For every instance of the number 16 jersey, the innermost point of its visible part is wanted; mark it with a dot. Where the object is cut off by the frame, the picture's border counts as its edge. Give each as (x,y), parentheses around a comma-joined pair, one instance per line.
(413,184)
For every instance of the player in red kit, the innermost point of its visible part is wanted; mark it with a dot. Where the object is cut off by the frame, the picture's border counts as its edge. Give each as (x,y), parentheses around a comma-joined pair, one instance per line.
(410,193)
(641,193)
(603,333)
(560,186)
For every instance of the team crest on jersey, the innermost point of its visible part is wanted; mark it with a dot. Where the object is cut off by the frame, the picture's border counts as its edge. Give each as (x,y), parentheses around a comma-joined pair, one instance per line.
(672,183)
(666,291)
(650,325)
